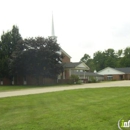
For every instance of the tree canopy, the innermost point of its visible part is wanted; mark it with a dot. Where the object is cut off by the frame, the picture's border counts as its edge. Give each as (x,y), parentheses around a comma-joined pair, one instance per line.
(108,58)
(7,45)
(37,56)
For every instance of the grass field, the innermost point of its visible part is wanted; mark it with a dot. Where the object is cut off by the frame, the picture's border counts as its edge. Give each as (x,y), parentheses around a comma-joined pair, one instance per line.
(15,87)
(83,109)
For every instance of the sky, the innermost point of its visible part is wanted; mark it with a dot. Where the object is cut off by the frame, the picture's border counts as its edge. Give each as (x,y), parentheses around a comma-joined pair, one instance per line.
(81,26)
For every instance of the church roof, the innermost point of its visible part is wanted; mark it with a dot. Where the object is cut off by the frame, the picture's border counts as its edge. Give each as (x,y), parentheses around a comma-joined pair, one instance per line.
(87,73)
(76,65)
(125,69)
(65,53)
(71,64)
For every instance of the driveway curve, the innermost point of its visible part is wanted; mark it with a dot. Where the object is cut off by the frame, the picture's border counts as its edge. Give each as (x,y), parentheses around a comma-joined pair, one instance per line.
(62,88)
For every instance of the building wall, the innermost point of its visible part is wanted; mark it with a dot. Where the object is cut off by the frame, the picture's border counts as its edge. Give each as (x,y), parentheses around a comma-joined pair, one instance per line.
(67,74)
(5,81)
(41,81)
(18,80)
(66,59)
(30,80)
(127,76)
(115,77)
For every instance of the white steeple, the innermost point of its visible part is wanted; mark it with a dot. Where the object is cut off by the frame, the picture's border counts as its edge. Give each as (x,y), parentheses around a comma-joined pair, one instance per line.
(52,29)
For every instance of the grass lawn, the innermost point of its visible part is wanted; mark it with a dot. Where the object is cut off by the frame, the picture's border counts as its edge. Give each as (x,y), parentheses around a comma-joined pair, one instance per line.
(83,109)
(14,87)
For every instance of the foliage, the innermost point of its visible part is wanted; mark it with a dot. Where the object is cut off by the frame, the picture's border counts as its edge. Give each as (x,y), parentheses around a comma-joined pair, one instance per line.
(79,82)
(92,79)
(119,53)
(74,78)
(33,56)
(8,43)
(85,58)
(37,57)
(108,58)
(88,61)
(73,81)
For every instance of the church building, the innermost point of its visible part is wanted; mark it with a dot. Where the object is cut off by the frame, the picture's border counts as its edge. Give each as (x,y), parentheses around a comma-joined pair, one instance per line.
(69,69)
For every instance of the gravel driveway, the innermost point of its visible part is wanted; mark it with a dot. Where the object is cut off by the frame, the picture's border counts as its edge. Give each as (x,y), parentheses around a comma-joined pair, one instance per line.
(53,89)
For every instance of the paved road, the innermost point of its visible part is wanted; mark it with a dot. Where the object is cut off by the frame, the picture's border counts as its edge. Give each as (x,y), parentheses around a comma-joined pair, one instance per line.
(53,89)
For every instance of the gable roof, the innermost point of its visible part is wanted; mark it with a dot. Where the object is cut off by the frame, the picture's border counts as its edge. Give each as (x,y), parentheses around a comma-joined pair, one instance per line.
(71,64)
(109,71)
(87,74)
(92,74)
(76,65)
(125,70)
(65,53)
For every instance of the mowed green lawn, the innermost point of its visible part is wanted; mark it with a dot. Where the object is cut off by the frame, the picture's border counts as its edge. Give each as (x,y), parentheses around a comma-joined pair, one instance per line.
(12,88)
(83,109)
(15,87)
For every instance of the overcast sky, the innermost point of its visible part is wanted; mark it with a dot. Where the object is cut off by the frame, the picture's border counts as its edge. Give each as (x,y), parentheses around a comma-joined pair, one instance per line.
(81,26)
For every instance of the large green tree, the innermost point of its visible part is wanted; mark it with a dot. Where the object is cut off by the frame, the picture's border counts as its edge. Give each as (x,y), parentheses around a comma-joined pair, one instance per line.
(37,57)
(99,60)
(8,43)
(88,61)
(110,58)
(125,61)
(85,58)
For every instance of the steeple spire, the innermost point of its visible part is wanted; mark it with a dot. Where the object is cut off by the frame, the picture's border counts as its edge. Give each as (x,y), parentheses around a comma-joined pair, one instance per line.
(52,31)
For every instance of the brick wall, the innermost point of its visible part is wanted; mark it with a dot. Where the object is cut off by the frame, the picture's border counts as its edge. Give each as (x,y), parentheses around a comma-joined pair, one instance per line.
(30,81)
(6,81)
(65,59)
(33,81)
(67,74)
(117,77)
(127,76)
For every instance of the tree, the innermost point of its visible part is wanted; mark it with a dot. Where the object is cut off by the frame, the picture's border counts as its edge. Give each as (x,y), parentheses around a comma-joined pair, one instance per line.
(110,58)
(119,53)
(85,58)
(38,57)
(88,61)
(7,45)
(125,61)
(9,40)
(127,52)
(105,59)
(110,52)
(91,65)
(99,60)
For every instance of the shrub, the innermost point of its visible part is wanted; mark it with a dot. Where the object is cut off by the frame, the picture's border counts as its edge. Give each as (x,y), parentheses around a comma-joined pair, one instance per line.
(92,79)
(70,81)
(75,78)
(79,82)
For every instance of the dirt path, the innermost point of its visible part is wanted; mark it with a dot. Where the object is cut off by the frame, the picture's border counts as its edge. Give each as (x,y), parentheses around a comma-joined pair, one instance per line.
(53,89)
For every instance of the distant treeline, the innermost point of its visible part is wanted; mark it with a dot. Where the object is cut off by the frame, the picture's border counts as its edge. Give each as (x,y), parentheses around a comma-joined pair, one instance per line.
(108,58)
